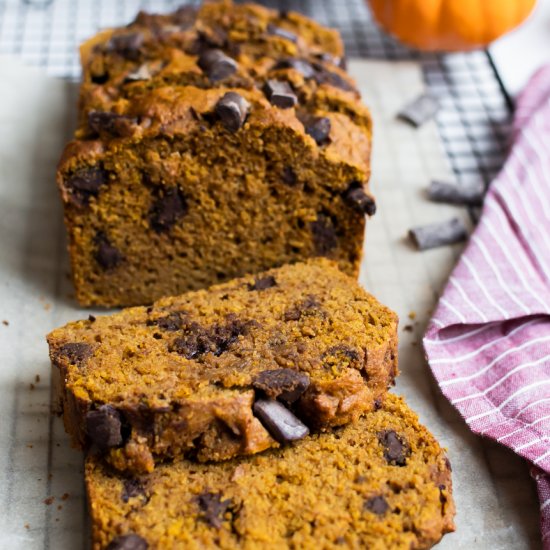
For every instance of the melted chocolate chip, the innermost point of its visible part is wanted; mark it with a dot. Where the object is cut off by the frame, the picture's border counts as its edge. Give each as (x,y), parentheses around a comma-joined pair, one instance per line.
(342,352)
(318,128)
(282,424)
(128,542)
(310,305)
(217,65)
(76,352)
(85,183)
(280,94)
(167,209)
(324,235)
(132,488)
(289,176)
(171,322)
(377,505)
(104,427)
(273,30)
(106,255)
(263,283)
(111,123)
(300,65)
(232,110)
(284,384)
(395,450)
(356,197)
(127,45)
(213,508)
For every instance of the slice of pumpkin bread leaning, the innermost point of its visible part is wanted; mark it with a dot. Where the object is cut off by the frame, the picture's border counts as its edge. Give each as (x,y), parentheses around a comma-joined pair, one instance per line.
(381,483)
(231,370)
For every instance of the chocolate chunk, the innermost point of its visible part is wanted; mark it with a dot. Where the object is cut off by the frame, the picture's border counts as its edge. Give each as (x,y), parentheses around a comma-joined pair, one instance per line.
(284,384)
(167,209)
(217,65)
(106,255)
(324,76)
(356,197)
(419,111)
(76,352)
(324,235)
(232,110)
(128,542)
(309,306)
(132,488)
(101,78)
(377,505)
(289,176)
(185,16)
(439,234)
(92,318)
(319,129)
(213,508)
(171,322)
(303,67)
(395,450)
(143,72)
(111,123)
(263,283)
(127,45)
(342,352)
(280,94)
(104,427)
(468,193)
(85,183)
(273,30)
(283,425)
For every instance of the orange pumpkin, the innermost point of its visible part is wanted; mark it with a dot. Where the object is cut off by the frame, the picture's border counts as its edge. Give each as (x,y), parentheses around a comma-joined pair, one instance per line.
(449,25)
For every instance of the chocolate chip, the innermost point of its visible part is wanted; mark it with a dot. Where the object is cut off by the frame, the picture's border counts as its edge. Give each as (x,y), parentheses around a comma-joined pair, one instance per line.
(280,94)
(85,183)
(448,464)
(284,384)
(377,404)
(273,30)
(213,508)
(310,305)
(92,318)
(217,65)
(132,488)
(143,72)
(232,110)
(171,322)
(76,352)
(128,542)
(356,197)
(111,123)
(324,76)
(127,45)
(289,176)
(167,209)
(185,16)
(106,255)
(468,193)
(104,427)
(419,111)
(342,352)
(263,283)
(439,234)
(99,78)
(324,235)
(377,505)
(395,450)
(319,129)
(283,425)
(300,65)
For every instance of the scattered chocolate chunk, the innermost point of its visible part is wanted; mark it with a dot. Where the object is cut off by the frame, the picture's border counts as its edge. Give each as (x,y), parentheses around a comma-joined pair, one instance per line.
(185,16)
(273,30)
(111,123)
(468,193)
(289,176)
(92,318)
(283,425)
(280,94)
(356,197)
(171,322)
(76,352)
(377,404)
(127,45)
(132,488)
(213,508)
(395,450)
(324,235)
(284,384)
(107,256)
(104,427)
(85,183)
(439,234)
(167,209)
(419,111)
(263,283)
(318,128)
(128,542)
(324,76)
(308,306)
(342,353)
(303,67)
(232,110)
(143,72)
(377,505)
(448,464)
(100,78)
(217,65)
(6,323)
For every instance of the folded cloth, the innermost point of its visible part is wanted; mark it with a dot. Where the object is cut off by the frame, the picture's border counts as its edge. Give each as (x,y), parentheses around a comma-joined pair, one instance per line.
(488,343)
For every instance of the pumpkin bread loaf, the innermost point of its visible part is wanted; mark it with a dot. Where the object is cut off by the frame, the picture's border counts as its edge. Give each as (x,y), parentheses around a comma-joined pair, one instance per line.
(382,483)
(227,371)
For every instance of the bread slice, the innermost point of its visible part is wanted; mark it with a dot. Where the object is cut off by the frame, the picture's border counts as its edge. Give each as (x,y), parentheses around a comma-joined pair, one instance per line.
(232,370)
(382,483)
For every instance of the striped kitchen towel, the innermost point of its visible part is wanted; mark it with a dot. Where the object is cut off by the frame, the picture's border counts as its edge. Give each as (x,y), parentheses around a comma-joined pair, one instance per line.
(488,343)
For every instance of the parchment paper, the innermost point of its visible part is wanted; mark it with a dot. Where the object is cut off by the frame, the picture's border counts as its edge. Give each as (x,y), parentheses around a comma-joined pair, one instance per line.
(42,504)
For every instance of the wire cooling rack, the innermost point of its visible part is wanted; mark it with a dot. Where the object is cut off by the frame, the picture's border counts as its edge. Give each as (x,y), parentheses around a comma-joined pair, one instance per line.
(474,122)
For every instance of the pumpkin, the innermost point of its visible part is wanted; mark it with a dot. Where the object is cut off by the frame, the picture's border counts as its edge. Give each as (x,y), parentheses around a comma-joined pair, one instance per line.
(449,25)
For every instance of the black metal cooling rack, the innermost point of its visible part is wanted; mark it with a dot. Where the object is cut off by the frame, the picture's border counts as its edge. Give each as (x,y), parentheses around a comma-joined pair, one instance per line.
(474,122)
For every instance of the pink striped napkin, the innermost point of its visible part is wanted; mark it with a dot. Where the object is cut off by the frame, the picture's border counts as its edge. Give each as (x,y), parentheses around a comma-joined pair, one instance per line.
(488,343)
